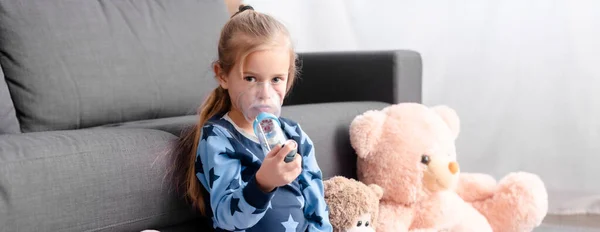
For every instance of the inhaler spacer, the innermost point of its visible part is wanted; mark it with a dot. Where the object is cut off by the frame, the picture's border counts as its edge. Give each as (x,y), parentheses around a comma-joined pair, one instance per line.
(261,106)
(268,130)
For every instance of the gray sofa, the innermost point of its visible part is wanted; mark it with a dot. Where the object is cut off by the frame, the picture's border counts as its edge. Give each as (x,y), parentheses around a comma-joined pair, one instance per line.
(94,93)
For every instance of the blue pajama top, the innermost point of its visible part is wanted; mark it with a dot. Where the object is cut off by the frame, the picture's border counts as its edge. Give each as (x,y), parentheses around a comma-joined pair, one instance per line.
(227,160)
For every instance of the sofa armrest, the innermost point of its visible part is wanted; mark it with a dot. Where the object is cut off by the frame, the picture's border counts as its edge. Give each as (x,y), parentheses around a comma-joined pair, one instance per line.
(383,76)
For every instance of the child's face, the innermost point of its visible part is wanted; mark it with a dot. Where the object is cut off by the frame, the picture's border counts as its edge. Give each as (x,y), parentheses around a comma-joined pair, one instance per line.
(262,85)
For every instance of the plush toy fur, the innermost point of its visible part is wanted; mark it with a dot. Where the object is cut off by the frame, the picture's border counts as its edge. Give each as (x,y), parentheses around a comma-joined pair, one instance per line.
(353,206)
(409,150)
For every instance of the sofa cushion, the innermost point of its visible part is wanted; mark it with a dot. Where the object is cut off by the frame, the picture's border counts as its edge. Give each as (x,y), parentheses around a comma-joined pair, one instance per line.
(8,119)
(327,124)
(90,179)
(76,64)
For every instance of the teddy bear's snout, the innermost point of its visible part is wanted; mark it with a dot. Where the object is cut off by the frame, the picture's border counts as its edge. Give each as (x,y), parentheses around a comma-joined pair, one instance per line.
(453,167)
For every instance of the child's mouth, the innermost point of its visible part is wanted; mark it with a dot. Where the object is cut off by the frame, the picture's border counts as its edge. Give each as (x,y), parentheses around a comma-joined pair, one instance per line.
(262,108)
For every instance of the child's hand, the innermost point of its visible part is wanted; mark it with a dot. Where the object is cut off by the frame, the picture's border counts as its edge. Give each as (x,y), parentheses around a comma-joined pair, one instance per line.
(274,172)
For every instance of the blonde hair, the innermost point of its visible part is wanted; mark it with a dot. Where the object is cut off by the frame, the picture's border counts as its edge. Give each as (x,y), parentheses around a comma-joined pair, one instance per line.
(247,31)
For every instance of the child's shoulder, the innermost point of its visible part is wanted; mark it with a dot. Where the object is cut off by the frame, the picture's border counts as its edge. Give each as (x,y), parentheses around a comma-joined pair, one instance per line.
(289,123)
(215,126)
(292,127)
(216,121)
(211,130)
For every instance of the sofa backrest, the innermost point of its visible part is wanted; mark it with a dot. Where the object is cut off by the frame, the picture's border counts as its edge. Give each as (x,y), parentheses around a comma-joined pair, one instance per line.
(8,119)
(77,64)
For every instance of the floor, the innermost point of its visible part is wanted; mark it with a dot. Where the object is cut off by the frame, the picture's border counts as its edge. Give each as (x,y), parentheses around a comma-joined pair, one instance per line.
(579,223)
(558,228)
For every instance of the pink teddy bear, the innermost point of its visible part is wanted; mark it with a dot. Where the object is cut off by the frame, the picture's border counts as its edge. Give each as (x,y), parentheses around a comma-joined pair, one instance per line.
(409,150)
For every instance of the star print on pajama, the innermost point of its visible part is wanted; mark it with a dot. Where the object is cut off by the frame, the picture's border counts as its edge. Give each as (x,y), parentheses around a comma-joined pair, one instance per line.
(290,225)
(226,164)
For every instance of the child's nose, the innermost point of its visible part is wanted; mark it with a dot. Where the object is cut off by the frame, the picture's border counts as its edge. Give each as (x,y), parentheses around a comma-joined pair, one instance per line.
(264,91)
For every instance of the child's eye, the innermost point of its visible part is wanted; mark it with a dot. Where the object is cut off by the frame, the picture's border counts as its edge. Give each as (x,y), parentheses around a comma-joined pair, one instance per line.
(250,78)
(277,80)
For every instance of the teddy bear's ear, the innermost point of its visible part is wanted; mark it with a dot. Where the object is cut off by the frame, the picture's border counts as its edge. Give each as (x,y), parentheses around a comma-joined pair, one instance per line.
(450,117)
(365,131)
(377,190)
(332,184)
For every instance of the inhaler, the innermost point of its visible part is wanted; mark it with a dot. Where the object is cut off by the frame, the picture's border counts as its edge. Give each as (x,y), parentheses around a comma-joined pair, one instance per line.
(268,130)
(261,105)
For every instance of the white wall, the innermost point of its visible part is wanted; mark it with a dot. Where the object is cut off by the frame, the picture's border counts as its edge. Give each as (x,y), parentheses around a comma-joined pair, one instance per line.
(522,74)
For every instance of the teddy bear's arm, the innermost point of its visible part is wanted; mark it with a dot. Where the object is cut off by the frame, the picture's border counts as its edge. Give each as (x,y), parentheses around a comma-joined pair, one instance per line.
(475,186)
(440,211)
(394,218)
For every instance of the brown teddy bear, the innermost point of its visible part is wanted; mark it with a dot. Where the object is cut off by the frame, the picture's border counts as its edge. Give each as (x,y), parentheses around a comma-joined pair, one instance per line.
(409,150)
(353,206)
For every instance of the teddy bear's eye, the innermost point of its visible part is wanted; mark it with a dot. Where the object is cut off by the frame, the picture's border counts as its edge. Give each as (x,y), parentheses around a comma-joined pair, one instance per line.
(425,159)
(367,224)
(359,224)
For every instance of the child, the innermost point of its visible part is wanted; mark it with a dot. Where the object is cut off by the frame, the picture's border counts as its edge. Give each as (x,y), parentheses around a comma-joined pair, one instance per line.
(247,189)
